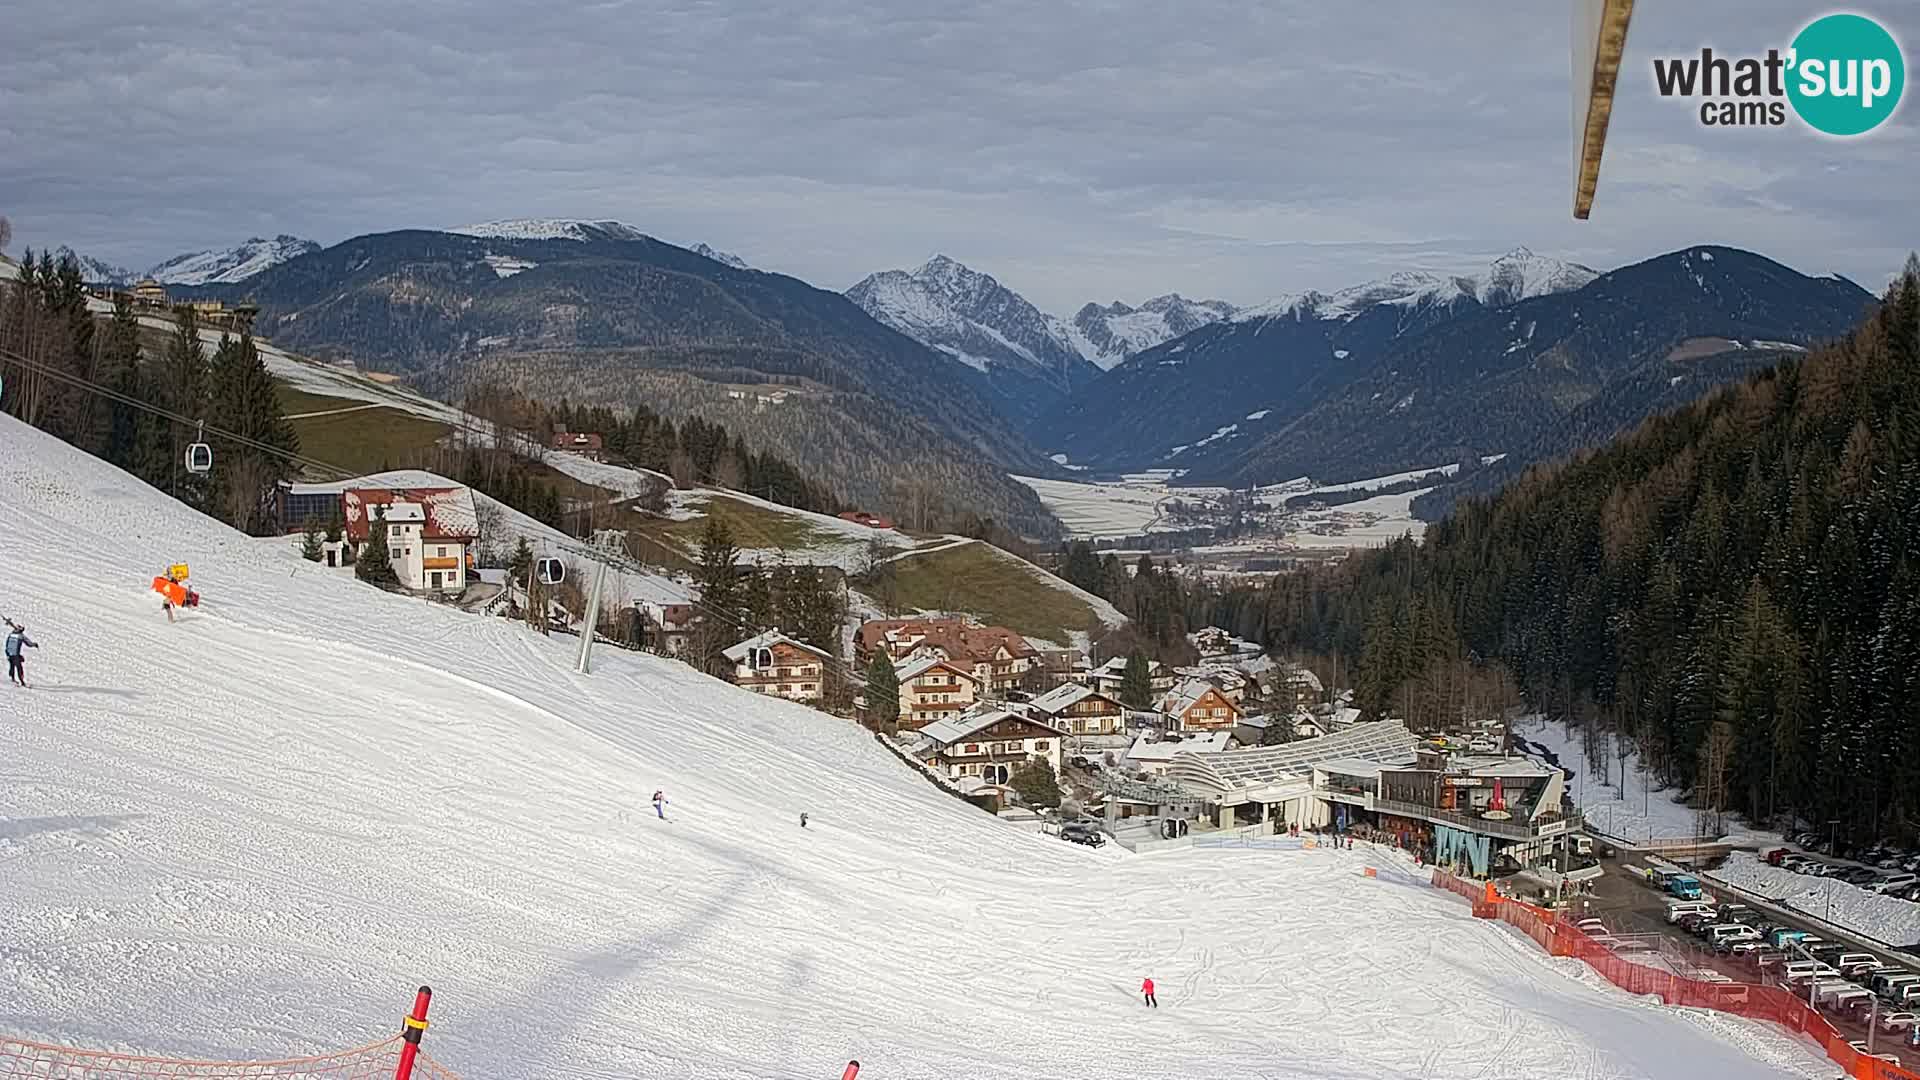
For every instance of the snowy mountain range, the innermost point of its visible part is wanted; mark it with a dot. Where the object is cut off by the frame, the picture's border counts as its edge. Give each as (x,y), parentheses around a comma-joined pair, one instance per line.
(224,267)
(1028,356)
(95,270)
(1109,335)
(552,229)
(232,265)
(1419,367)
(1517,275)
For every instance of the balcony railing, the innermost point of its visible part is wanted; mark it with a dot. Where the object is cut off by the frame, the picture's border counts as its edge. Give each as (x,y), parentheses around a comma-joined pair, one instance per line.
(1512,829)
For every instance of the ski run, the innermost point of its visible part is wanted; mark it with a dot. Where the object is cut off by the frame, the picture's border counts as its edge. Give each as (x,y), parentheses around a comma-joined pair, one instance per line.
(250,833)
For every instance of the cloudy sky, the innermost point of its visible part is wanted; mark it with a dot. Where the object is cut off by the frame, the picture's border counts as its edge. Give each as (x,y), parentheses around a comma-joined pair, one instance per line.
(1078,149)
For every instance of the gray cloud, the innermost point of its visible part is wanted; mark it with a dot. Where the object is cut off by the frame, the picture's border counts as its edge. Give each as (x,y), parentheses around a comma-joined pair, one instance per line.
(1080,150)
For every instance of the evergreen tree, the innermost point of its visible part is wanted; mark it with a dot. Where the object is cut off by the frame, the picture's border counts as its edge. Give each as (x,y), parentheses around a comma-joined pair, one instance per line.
(246,403)
(521,564)
(883,694)
(718,577)
(1035,783)
(310,548)
(183,390)
(1136,682)
(375,564)
(126,423)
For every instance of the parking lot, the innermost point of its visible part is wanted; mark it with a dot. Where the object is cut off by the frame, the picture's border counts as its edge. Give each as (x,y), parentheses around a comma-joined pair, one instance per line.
(1632,909)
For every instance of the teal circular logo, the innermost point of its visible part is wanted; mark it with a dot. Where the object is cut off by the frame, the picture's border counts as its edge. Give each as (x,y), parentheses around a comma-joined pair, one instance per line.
(1847,74)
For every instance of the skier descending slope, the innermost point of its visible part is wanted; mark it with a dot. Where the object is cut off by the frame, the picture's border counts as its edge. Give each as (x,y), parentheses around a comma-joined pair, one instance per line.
(16,663)
(660,804)
(1146,992)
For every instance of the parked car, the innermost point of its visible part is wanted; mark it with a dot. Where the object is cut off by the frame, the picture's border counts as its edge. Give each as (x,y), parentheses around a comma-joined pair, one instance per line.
(1894,884)
(1774,856)
(1850,963)
(1858,875)
(1590,927)
(1730,933)
(1887,981)
(1678,908)
(1898,1021)
(1079,832)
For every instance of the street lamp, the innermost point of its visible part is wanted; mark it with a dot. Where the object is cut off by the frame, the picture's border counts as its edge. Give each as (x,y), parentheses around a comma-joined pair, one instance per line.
(1833,849)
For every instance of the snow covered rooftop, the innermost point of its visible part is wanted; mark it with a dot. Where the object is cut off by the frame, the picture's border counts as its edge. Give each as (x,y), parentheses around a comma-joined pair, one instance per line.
(908,670)
(1144,749)
(948,732)
(448,512)
(1224,772)
(765,640)
(1185,696)
(1063,697)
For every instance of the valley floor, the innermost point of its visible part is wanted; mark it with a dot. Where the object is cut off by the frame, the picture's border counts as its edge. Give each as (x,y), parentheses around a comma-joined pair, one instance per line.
(250,833)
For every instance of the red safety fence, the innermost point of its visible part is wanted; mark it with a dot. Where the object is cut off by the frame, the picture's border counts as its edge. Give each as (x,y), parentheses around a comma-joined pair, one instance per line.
(376,1061)
(396,1058)
(1751,1000)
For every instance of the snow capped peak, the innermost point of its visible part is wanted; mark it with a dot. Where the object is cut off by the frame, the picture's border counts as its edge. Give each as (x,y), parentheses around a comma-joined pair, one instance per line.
(1109,335)
(1517,275)
(232,265)
(726,258)
(1522,275)
(552,229)
(92,270)
(949,306)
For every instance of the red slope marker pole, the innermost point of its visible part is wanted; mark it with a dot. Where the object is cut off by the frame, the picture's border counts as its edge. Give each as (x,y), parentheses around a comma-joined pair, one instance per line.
(414,1026)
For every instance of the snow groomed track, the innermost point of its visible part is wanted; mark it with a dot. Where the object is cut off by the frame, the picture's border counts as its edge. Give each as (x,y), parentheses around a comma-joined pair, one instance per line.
(245,834)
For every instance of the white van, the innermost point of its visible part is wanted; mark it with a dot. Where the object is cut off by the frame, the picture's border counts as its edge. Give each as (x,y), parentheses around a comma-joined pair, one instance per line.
(1688,907)
(1894,883)
(1730,932)
(1795,970)
(1886,980)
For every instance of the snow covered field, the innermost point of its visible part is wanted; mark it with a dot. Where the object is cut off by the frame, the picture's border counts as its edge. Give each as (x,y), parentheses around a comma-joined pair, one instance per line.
(1394,519)
(1887,919)
(252,832)
(1101,510)
(1628,806)
(1132,507)
(831,540)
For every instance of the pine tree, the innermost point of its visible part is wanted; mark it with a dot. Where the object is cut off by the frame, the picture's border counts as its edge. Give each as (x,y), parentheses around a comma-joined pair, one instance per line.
(717,576)
(1034,781)
(120,361)
(1136,682)
(246,403)
(310,544)
(375,565)
(521,564)
(883,694)
(183,390)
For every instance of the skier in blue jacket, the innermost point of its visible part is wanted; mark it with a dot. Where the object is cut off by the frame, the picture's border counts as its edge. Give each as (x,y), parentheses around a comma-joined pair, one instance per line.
(17,664)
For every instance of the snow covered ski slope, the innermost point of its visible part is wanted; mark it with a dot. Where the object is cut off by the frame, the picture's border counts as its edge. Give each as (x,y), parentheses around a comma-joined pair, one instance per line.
(252,832)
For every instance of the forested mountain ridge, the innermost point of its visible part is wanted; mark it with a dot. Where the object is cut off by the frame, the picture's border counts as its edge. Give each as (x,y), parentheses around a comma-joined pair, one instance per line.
(1501,379)
(599,310)
(1735,586)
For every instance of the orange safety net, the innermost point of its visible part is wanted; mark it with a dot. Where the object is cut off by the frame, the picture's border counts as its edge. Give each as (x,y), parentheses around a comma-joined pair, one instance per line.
(376,1061)
(1754,1001)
